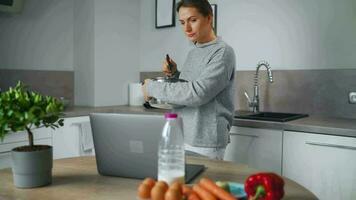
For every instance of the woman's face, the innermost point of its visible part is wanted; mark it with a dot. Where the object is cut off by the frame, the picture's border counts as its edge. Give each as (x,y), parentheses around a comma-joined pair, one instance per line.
(195,26)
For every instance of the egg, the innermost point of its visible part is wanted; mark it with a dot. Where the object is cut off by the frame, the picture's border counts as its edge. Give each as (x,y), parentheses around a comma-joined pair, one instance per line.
(144,191)
(149,181)
(186,190)
(173,194)
(157,192)
(176,185)
(162,184)
(193,196)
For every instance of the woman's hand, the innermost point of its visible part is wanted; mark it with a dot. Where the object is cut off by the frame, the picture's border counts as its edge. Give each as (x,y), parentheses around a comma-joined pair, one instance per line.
(165,67)
(144,90)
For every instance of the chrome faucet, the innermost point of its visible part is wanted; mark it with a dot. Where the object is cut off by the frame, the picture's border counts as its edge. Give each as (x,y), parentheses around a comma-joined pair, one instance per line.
(255,103)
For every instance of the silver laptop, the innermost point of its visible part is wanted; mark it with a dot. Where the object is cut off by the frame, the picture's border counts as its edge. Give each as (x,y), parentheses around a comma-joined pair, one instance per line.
(126,145)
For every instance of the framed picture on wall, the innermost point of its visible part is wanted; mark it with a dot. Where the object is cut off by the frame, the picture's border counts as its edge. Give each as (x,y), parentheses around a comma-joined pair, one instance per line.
(165,14)
(215,16)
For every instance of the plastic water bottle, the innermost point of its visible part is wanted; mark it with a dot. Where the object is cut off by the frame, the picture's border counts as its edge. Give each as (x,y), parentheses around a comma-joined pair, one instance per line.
(171,157)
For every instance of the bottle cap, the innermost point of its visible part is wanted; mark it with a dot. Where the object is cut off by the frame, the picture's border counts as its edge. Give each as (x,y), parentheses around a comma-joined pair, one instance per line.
(170,115)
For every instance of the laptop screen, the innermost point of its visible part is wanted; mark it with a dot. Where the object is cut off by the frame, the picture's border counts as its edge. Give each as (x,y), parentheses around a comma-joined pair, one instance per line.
(126,145)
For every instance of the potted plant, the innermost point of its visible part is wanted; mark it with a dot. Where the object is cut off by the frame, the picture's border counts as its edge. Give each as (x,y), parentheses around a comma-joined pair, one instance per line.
(22,109)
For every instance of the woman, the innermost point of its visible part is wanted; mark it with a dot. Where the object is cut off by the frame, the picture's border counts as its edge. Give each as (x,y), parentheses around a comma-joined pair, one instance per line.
(208,94)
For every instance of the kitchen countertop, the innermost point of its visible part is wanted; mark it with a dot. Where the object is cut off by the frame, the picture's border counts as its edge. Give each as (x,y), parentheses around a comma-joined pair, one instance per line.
(77,111)
(313,123)
(77,178)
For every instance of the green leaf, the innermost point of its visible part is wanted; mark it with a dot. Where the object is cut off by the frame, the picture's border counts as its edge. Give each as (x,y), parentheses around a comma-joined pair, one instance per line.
(10,112)
(17,95)
(26,115)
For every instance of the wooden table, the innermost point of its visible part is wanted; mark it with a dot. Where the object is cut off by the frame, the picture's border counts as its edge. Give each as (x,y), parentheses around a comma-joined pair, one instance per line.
(77,178)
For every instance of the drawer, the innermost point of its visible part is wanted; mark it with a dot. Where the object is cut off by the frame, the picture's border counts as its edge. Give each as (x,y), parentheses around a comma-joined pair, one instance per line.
(5,160)
(9,146)
(21,136)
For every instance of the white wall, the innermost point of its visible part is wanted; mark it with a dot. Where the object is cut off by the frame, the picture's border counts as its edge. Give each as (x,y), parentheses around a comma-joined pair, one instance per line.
(97,39)
(106,46)
(289,34)
(116,49)
(41,37)
(107,42)
(84,52)
(156,43)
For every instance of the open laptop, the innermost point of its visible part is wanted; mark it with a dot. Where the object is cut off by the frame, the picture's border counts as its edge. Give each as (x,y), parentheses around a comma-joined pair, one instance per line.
(126,145)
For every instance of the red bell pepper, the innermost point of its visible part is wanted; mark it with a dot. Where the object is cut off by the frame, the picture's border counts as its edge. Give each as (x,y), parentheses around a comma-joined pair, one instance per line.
(264,186)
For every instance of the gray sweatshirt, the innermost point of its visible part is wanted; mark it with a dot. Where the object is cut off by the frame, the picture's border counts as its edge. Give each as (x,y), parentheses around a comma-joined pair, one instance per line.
(207,96)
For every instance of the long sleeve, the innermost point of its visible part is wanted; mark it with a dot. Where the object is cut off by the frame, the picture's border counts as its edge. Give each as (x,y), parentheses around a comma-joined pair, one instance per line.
(214,78)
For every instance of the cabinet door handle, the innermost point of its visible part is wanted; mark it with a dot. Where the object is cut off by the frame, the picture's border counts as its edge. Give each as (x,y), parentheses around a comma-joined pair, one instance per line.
(254,136)
(331,145)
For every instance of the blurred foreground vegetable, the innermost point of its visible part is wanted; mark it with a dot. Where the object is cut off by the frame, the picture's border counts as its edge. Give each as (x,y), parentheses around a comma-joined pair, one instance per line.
(205,189)
(264,186)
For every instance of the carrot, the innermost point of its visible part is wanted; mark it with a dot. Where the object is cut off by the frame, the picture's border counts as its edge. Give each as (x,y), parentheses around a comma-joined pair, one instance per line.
(186,190)
(203,193)
(217,191)
(193,196)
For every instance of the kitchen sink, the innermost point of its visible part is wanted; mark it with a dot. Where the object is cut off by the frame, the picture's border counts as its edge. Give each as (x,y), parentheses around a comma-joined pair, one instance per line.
(272,116)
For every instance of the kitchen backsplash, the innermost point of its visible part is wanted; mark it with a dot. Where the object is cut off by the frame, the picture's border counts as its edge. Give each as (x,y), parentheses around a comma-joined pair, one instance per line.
(317,92)
(53,83)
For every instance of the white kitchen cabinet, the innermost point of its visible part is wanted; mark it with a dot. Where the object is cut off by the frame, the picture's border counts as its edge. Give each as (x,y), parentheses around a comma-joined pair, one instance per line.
(258,148)
(22,136)
(324,164)
(12,140)
(73,139)
(5,160)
